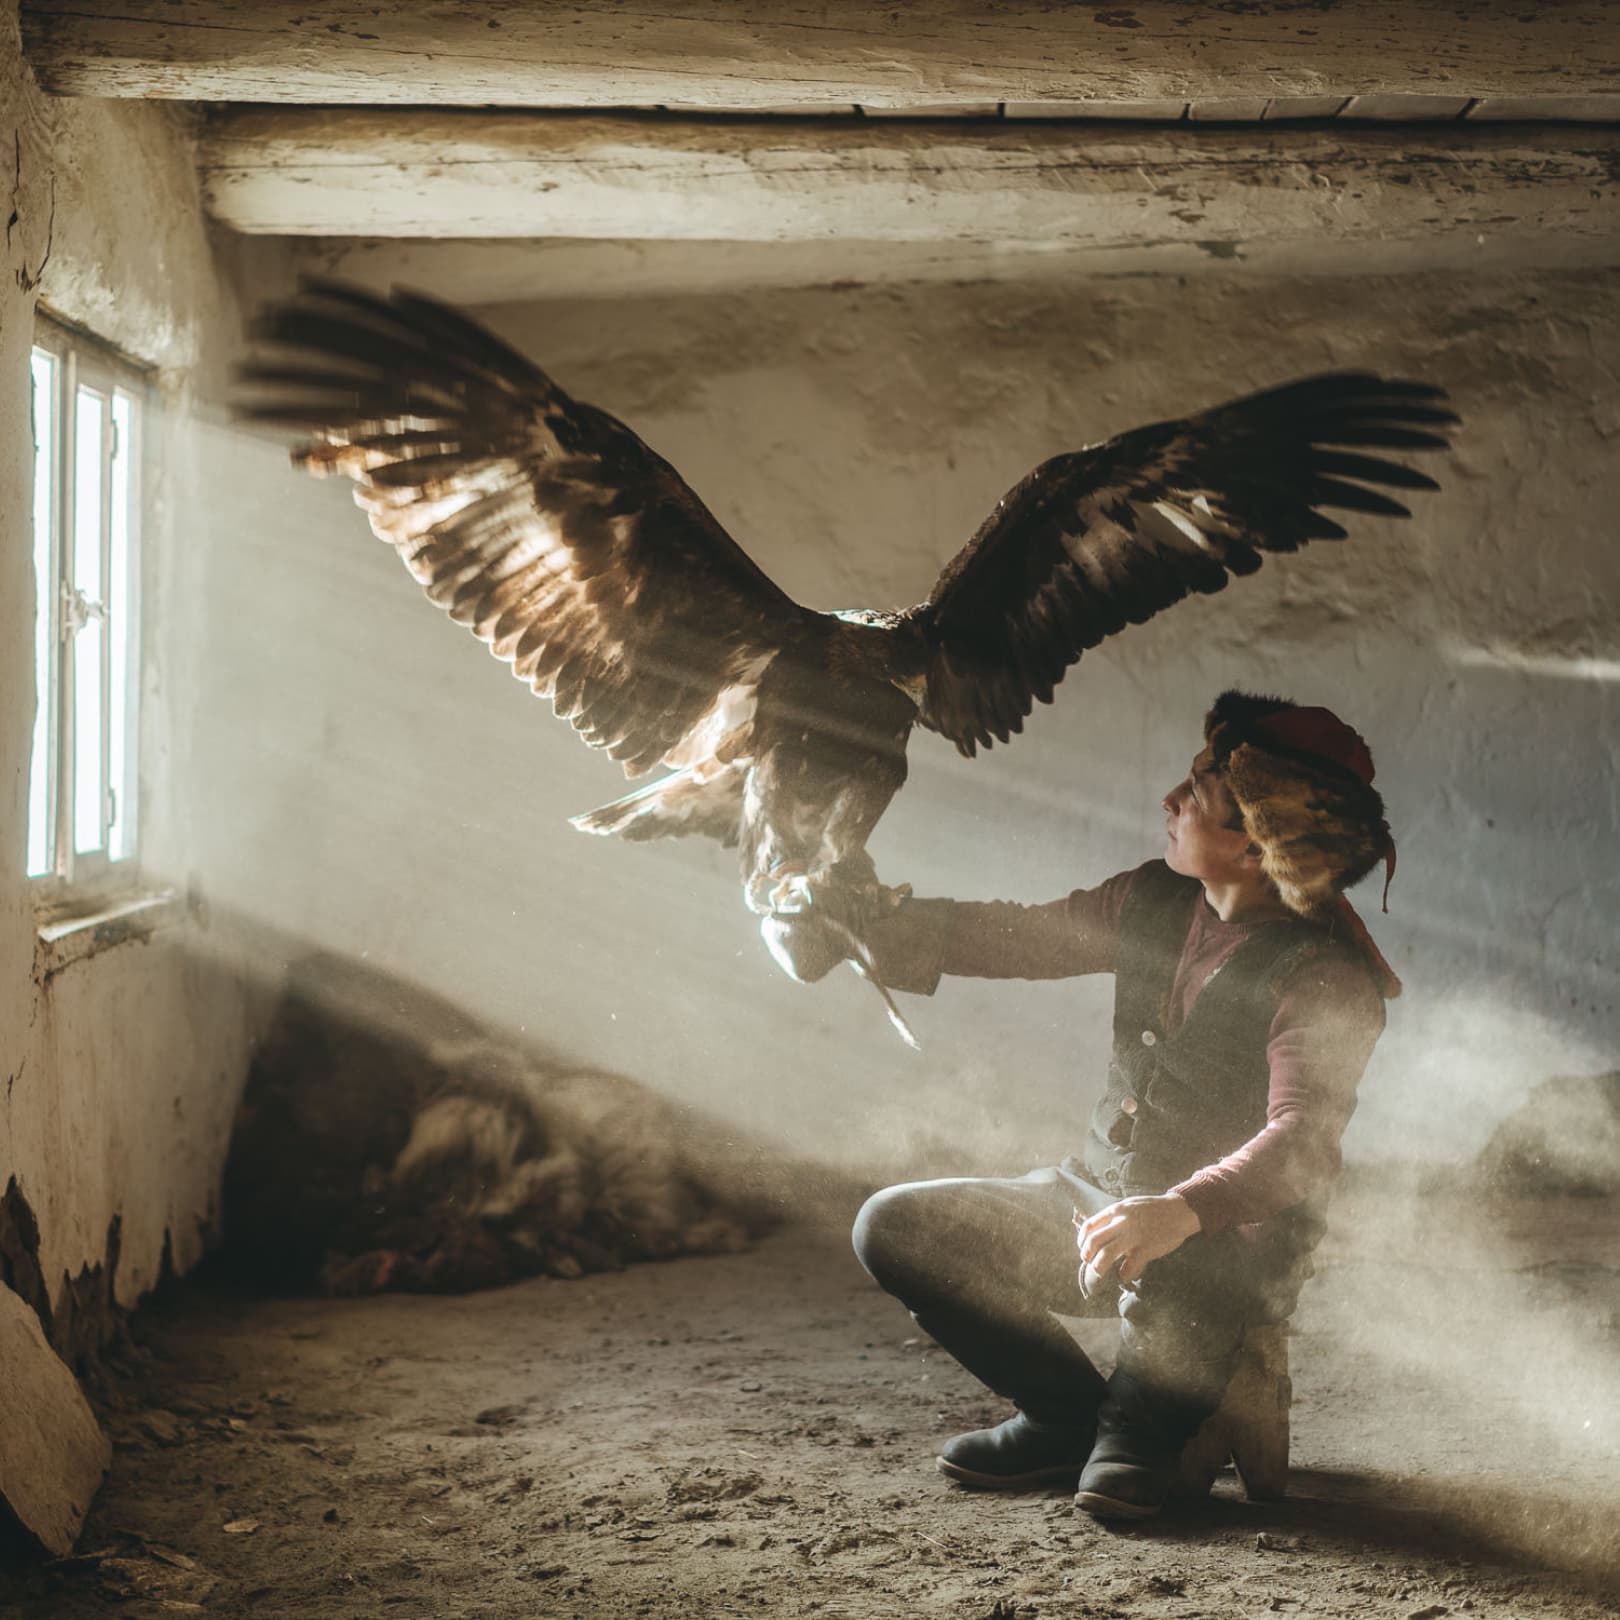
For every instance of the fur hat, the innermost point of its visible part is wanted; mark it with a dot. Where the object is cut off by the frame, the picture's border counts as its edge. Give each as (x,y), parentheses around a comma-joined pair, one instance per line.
(1302,780)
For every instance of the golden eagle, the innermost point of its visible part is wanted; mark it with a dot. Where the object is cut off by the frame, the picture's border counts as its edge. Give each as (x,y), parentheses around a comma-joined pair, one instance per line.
(582,558)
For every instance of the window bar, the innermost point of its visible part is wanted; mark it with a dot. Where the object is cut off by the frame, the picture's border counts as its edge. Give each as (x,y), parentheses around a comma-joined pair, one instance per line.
(123,608)
(45,375)
(87,621)
(67,384)
(108,594)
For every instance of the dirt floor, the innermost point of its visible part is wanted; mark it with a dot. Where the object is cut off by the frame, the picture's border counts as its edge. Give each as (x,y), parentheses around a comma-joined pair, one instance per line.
(755,1434)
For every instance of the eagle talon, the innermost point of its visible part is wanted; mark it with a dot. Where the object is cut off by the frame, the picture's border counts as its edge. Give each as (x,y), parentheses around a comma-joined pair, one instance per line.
(781,891)
(793,895)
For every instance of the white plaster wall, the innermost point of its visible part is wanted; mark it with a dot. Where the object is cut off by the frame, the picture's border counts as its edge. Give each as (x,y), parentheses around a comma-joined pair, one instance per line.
(388,789)
(122,1071)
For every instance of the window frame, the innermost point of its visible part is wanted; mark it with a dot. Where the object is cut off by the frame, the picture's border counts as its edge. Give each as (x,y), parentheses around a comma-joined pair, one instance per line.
(73,879)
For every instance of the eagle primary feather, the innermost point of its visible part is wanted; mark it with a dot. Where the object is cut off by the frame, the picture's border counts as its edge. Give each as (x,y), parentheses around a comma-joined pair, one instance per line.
(581,558)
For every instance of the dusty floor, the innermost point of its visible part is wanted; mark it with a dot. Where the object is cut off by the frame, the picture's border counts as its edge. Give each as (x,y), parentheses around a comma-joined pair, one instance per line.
(754,1435)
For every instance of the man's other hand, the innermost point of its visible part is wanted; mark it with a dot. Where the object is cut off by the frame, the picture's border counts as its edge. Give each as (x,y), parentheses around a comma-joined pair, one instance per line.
(1125,1238)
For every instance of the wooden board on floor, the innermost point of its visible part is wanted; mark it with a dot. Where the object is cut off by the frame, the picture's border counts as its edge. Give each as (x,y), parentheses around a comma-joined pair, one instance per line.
(52,1451)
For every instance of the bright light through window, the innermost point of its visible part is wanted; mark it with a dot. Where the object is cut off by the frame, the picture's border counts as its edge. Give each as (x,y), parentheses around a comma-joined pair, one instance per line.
(82,787)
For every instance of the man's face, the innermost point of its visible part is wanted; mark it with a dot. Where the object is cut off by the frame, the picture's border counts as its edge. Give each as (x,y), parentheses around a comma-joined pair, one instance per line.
(1204,835)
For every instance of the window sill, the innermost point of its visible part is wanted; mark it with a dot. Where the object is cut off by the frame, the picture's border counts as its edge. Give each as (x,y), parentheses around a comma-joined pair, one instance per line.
(63,941)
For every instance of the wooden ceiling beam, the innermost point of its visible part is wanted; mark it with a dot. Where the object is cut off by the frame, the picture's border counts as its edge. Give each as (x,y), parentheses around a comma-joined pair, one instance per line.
(437,174)
(817,54)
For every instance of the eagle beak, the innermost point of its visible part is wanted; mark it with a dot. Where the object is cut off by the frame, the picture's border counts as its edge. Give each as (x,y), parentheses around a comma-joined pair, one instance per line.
(913,686)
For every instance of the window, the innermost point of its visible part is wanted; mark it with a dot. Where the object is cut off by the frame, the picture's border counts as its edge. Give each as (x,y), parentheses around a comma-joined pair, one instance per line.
(88,418)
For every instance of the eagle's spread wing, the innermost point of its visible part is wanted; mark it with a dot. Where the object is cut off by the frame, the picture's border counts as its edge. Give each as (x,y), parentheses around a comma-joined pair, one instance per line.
(542,524)
(1108,536)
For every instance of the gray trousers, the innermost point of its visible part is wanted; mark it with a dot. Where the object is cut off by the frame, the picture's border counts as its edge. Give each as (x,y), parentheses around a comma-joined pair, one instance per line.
(982,1262)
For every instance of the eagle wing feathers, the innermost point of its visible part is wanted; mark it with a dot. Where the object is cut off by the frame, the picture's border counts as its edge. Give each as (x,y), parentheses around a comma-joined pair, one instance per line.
(1108,536)
(544,525)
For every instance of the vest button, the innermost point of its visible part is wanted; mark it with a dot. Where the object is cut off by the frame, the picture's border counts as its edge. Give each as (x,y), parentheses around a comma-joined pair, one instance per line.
(1129,1105)
(1149,1038)
(1111,1177)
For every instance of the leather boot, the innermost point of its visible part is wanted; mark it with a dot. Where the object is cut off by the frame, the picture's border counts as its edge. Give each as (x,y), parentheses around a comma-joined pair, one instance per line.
(1140,1435)
(1020,1454)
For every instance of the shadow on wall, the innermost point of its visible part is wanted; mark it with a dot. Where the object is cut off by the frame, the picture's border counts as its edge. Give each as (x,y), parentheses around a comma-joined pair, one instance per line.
(387,1140)
(82,1319)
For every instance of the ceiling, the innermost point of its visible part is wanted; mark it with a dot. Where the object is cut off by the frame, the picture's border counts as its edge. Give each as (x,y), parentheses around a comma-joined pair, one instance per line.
(945,138)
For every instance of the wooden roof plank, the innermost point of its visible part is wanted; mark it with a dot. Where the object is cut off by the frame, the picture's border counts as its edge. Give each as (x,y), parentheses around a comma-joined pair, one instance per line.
(751,53)
(509,175)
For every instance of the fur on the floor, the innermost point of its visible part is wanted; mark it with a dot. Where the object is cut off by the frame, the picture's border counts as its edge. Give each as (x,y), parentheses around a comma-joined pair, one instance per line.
(367,1159)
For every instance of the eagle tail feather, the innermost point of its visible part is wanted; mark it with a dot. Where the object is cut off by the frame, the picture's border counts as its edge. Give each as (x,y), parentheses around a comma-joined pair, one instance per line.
(672,807)
(896,1017)
(861,960)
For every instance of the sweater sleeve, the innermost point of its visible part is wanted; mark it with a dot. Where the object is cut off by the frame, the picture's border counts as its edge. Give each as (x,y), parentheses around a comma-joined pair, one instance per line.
(1329,1016)
(1000,939)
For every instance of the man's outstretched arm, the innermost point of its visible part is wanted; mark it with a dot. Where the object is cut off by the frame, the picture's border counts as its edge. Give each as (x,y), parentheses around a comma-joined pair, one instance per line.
(923,940)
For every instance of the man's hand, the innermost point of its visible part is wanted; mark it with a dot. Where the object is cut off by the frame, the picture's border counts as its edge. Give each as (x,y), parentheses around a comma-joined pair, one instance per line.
(1129,1236)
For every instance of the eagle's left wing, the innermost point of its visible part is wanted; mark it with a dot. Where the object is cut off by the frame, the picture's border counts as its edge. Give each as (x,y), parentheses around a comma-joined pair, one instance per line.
(1104,537)
(544,525)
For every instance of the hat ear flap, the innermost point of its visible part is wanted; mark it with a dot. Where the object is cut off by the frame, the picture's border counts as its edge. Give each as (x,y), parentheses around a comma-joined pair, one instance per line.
(1319,828)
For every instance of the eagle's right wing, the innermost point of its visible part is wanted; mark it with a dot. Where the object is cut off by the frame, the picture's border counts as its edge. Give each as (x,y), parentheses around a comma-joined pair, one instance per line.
(1108,536)
(542,524)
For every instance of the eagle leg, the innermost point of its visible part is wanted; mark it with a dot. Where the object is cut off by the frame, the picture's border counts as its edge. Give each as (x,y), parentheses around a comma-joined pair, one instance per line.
(850,886)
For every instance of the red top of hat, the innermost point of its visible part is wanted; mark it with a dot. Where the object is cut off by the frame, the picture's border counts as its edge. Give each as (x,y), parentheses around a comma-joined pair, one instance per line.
(1320,732)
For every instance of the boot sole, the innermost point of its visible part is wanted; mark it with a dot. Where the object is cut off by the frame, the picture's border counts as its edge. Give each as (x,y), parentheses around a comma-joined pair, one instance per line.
(1009,1482)
(1112,1507)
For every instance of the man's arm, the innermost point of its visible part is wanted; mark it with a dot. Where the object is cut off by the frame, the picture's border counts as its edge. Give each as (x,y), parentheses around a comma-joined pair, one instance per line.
(998,939)
(922,940)
(1329,1016)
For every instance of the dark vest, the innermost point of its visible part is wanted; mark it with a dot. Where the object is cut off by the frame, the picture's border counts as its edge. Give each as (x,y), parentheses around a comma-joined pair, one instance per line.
(1176,1103)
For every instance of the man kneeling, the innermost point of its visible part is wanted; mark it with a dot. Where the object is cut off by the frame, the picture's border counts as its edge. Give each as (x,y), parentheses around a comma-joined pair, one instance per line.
(1248,997)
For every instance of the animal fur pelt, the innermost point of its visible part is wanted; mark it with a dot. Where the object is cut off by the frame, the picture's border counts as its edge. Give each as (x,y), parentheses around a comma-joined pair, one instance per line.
(366,1160)
(1303,782)
(1318,829)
